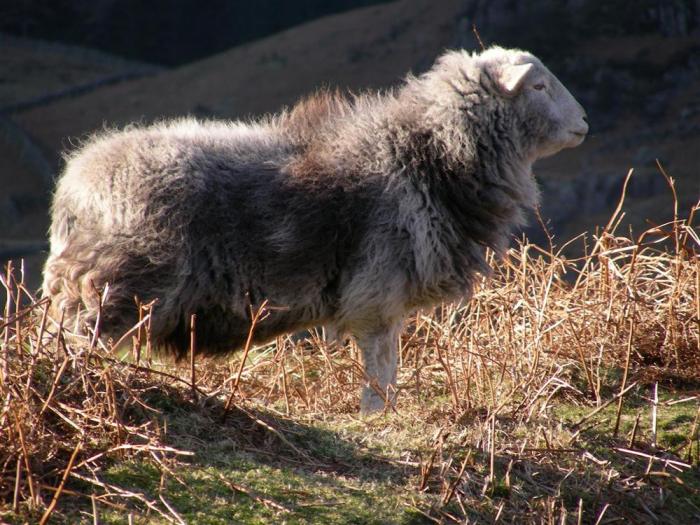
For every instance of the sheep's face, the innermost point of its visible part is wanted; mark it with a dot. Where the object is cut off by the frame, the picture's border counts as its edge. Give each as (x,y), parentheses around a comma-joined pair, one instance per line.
(548,116)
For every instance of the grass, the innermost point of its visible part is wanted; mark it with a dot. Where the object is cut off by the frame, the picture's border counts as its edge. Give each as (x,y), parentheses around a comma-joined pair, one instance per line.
(564,391)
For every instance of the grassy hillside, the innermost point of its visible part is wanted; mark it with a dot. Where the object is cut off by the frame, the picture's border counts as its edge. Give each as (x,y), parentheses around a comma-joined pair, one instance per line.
(565,391)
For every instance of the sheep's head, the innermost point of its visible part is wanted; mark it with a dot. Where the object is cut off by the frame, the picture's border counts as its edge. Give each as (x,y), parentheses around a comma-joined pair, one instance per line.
(548,116)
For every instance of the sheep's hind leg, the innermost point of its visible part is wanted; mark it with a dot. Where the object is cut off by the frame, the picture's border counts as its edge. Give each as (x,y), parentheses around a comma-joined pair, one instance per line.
(380,358)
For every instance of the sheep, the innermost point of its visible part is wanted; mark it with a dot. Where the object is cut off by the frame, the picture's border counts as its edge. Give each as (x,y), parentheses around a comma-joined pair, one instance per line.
(348,212)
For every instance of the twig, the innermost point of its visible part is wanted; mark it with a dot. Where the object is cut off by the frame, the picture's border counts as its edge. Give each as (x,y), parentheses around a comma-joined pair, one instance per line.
(424,514)
(124,494)
(602,513)
(606,230)
(693,435)
(193,350)
(654,405)
(257,316)
(651,457)
(147,447)
(131,330)
(425,469)
(274,431)
(7,283)
(101,297)
(150,370)
(27,464)
(478,37)
(672,185)
(453,485)
(604,405)
(634,430)
(57,494)
(489,483)
(18,479)
(54,384)
(172,511)
(579,514)
(267,502)
(24,313)
(624,375)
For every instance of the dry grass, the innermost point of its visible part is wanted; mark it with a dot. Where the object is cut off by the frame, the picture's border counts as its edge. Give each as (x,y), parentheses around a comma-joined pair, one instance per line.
(535,402)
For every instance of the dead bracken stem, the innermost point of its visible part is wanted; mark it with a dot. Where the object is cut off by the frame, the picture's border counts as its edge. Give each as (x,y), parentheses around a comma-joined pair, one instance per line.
(604,405)
(27,462)
(634,430)
(137,340)
(693,436)
(7,284)
(608,228)
(57,494)
(625,372)
(193,351)
(478,37)
(251,494)
(426,468)
(654,408)
(492,453)
(449,494)
(100,301)
(256,317)
(672,186)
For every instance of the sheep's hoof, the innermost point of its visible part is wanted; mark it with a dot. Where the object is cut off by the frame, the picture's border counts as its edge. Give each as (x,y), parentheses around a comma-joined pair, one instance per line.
(371,403)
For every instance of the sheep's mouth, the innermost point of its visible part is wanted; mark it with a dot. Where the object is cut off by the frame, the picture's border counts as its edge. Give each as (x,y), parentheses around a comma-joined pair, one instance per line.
(577,137)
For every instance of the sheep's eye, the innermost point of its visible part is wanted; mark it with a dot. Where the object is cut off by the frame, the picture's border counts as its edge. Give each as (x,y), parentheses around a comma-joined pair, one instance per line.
(539,87)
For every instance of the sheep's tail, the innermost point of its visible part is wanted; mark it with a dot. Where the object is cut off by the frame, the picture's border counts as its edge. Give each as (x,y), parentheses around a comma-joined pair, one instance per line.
(75,275)
(85,262)
(74,278)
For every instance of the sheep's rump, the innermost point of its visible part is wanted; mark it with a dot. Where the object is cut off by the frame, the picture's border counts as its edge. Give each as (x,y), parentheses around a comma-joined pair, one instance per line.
(203,219)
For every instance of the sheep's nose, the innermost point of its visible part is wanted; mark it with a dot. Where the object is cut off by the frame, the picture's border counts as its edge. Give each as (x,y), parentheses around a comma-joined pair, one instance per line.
(582,129)
(585,120)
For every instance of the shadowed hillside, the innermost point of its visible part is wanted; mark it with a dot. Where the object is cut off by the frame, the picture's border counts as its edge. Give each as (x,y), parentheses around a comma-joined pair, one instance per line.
(161,31)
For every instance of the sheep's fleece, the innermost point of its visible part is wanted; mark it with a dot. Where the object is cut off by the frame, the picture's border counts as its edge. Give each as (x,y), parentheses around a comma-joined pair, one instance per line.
(345,211)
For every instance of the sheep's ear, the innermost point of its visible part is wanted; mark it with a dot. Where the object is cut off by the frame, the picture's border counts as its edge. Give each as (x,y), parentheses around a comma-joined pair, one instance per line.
(510,77)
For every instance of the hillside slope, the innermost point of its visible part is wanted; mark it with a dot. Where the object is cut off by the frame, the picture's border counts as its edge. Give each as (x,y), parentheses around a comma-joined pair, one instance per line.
(367,47)
(36,73)
(640,90)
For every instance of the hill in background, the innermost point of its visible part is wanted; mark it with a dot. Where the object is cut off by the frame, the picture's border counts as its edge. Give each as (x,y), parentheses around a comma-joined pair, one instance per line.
(161,31)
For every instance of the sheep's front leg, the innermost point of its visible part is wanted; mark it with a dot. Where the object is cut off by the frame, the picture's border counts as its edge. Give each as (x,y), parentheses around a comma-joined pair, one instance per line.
(380,359)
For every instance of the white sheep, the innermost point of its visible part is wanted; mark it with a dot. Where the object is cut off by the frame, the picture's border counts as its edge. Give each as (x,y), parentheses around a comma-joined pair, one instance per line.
(347,212)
